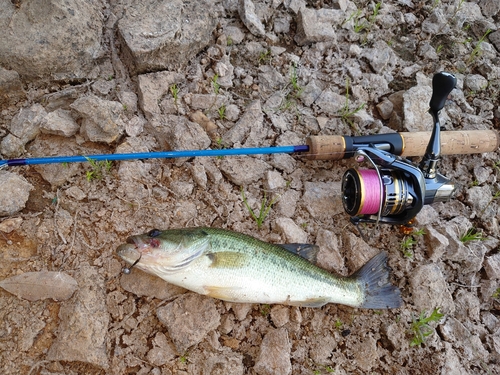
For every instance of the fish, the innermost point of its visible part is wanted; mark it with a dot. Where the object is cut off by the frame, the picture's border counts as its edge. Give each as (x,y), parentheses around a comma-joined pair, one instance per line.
(235,267)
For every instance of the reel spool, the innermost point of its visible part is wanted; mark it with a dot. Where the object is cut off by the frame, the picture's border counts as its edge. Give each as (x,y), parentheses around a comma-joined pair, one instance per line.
(395,190)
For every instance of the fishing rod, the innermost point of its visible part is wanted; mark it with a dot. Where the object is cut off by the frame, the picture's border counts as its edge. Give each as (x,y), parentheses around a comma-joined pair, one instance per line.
(391,192)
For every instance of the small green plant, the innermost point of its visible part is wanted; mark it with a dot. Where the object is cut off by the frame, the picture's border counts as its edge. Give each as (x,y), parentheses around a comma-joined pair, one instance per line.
(265,310)
(294,81)
(346,112)
(222,112)
(98,169)
(476,52)
(229,41)
(420,326)
(174,90)
(472,235)
(496,294)
(338,324)
(265,56)
(409,241)
(183,358)
(125,107)
(264,210)
(215,84)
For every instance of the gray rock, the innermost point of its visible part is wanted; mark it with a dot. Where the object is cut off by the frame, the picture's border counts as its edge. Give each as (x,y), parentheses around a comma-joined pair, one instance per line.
(129,100)
(321,348)
(243,170)
(479,197)
(143,284)
(283,162)
(481,174)
(330,103)
(287,203)
(14,193)
(270,80)
(135,126)
(427,215)
(153,87)
(24,127)
(475,82)
(294,5)
(311,92)
(358,251)
(11,88)
(206,101)
(188,319)
(234,34)
(162,350)
(178,133)
(274,181)
(451,361)
(274,355)
(282,24)
(329,256)
(232,112)
(436,243)
(59,122)
(166,35)
(416,109)
(430,290)
(322,199)
(33,46)
(292,232)
(365,353)
(494,38)
(436,24)
(489,8)
(492,267)
(246,10)
(380,57)
(385,108)
(84,319)
(250,124)
(280,315)
(317,25)
(101,118)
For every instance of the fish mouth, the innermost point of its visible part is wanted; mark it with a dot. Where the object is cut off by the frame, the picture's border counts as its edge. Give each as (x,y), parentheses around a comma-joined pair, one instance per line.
(131,250)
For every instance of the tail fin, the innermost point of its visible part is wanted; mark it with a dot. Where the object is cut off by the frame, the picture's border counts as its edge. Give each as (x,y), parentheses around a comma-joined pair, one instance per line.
(379,293)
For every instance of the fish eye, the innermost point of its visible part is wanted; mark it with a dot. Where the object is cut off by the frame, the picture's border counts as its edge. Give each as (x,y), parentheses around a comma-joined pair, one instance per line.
(154,233)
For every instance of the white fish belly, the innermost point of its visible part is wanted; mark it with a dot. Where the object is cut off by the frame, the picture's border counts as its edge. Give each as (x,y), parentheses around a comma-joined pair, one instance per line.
(259,285)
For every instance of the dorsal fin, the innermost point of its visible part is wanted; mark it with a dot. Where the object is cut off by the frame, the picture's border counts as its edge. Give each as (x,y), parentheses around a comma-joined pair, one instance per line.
(304,250)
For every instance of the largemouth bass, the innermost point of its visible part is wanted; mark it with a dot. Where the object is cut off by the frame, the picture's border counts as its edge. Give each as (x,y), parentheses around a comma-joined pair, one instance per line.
(238,268)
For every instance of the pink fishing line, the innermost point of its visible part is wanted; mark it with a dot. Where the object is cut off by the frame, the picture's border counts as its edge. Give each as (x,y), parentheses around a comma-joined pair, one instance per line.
(370,190)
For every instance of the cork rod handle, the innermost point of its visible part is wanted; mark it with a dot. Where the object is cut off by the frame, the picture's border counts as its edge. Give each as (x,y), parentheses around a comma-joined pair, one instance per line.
(333,147)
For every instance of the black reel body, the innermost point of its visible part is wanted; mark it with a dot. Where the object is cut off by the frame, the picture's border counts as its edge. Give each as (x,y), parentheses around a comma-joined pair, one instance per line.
(395,190)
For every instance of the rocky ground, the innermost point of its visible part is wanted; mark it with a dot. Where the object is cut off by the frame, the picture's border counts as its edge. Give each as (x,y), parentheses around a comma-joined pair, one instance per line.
(134,76)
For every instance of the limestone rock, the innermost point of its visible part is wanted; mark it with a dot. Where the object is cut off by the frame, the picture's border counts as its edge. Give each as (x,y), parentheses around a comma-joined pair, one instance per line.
(188,319)
(165,35)
(101,118)
(34,46)
(274,356)
(11,88)
(14,193)
(84,319)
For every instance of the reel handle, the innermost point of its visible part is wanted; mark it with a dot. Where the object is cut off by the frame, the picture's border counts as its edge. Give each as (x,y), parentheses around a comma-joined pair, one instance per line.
(442,84)
(337,147)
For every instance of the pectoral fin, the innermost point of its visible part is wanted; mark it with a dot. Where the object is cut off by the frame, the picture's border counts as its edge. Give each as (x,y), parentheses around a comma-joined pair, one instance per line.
(227,259)
(304,250)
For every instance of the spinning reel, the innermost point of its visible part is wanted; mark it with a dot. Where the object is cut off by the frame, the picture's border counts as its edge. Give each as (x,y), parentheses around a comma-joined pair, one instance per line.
(395,190)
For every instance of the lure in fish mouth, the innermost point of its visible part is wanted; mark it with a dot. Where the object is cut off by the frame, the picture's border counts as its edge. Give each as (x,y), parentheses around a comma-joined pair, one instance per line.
(238,268)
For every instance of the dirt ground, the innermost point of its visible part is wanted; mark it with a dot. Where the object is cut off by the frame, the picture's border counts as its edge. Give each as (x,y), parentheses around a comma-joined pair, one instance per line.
(278,92)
